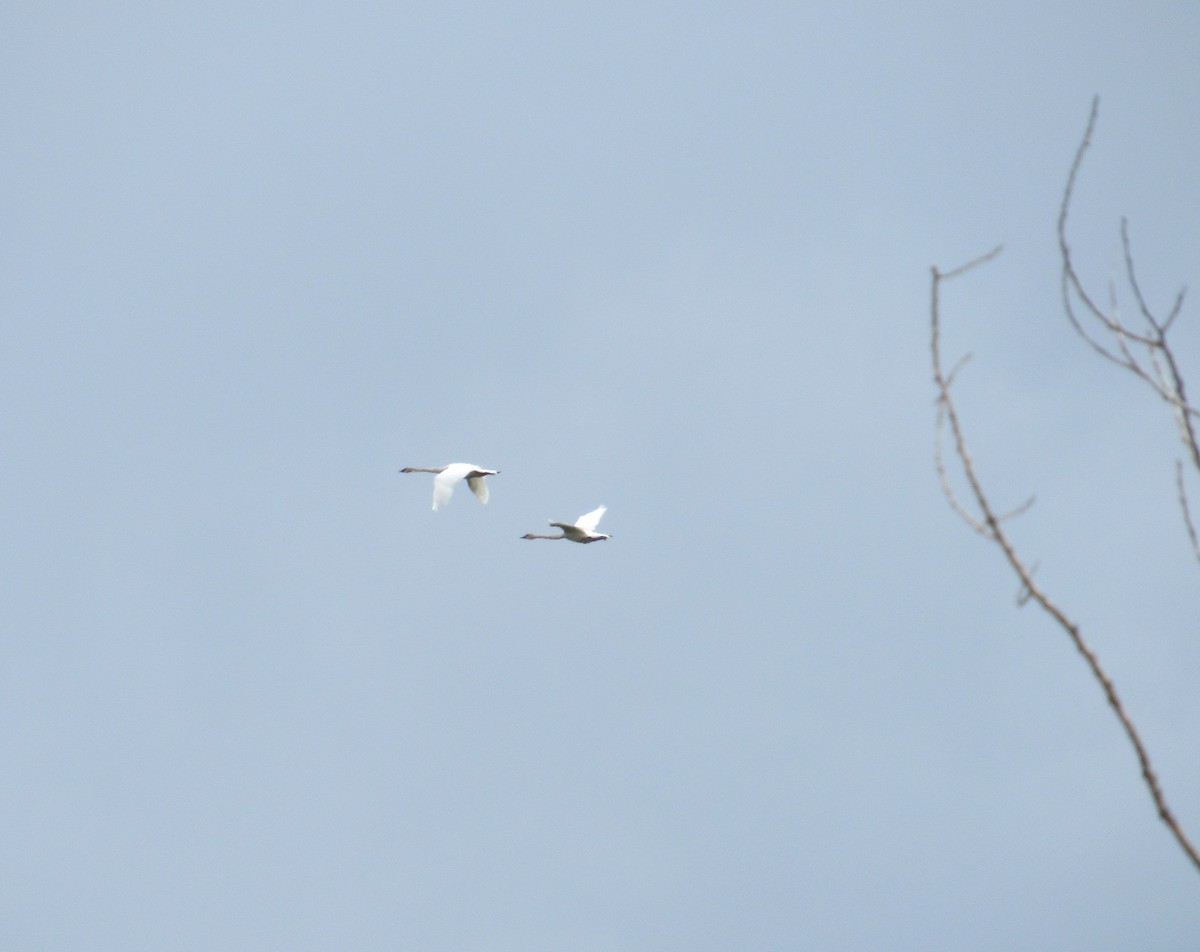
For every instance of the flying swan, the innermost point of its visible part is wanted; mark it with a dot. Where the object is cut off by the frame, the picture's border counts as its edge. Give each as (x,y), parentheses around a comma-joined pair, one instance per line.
(446,476)
(584,529)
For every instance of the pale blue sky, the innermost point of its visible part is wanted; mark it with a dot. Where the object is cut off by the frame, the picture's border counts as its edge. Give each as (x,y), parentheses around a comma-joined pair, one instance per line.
(672,258)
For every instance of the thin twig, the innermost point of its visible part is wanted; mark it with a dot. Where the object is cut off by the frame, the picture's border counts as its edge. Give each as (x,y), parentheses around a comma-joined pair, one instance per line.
(1187,512)
(1024,595)
(944,406)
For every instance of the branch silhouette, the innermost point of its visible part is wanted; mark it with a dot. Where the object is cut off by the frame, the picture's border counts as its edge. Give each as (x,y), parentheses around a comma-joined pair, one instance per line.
(982,517)
(1146,352)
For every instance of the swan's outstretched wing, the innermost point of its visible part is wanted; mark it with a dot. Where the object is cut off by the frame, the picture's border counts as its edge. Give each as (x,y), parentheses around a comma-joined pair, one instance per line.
(589,521)
(479,487)
(443,482)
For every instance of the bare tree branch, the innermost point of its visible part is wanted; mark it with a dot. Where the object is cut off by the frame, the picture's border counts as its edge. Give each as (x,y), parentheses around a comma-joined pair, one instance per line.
(985,521)
(1146,353)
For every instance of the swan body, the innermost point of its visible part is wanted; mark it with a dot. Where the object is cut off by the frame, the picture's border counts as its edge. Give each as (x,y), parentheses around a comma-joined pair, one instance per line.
(445,478)
(582,530)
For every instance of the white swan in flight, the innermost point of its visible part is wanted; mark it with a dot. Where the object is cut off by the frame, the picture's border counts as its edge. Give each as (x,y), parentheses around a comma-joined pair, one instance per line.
(584,529)
(446,476)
